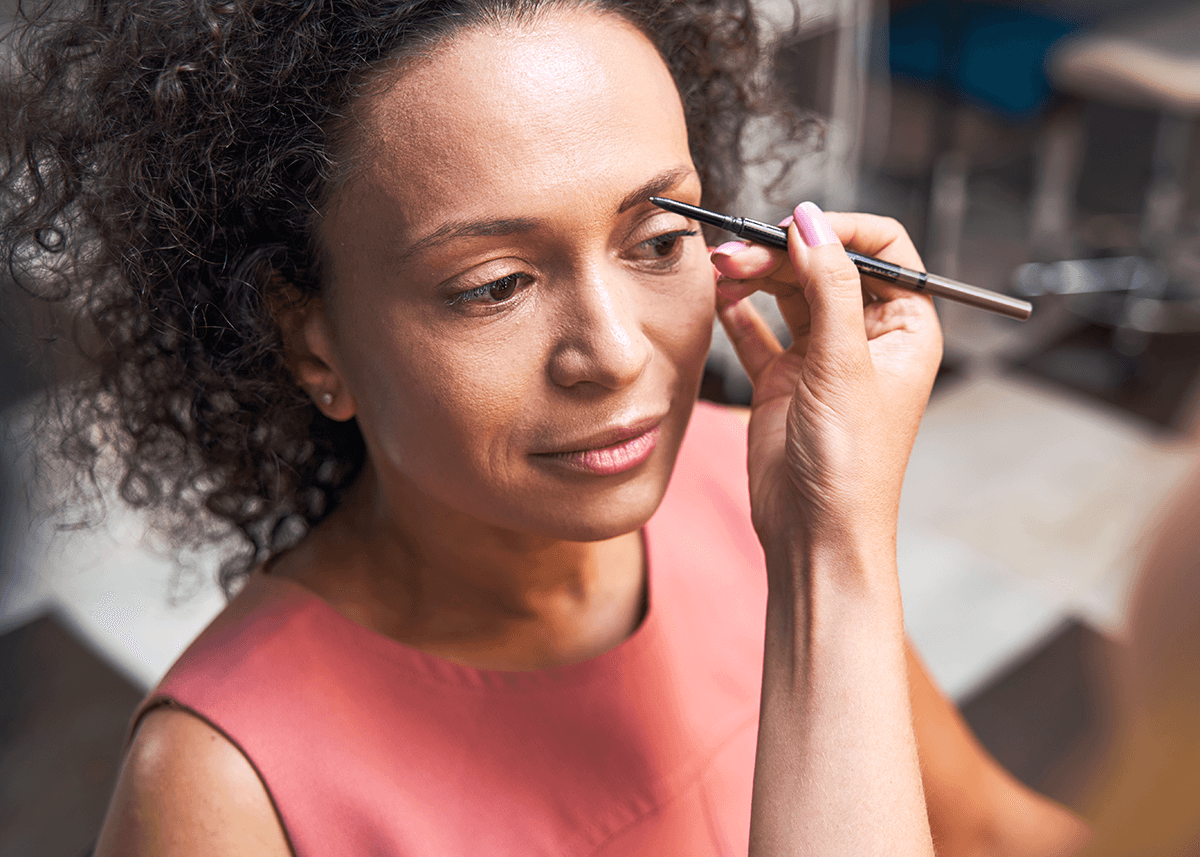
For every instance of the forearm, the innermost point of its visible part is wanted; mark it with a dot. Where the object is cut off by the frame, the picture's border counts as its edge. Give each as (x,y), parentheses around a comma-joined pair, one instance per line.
(836,769)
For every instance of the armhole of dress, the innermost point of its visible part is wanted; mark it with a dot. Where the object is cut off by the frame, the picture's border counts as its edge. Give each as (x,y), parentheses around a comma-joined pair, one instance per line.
(168,702)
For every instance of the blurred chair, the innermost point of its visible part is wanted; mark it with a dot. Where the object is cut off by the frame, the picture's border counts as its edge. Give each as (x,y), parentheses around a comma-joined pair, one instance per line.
(1151,62)
(987,56)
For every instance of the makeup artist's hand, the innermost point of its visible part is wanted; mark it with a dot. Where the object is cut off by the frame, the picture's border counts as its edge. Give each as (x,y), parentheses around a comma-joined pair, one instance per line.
(832,422)
(835,414)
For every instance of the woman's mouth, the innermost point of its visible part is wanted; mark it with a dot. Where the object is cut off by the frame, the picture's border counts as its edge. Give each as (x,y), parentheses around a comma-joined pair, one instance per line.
(609,457)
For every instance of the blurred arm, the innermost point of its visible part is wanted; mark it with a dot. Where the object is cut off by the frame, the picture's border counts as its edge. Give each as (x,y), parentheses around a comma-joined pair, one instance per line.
(975,806)
(1147,799)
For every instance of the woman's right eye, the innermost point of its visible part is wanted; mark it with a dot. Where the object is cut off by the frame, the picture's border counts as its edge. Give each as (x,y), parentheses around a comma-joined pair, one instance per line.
(495,292)
(666,245)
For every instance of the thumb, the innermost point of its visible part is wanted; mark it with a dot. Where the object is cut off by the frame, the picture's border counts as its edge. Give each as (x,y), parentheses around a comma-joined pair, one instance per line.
(832,286)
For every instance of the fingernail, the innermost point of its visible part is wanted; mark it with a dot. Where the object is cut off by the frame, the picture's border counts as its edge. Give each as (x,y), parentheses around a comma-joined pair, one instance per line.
(786,222)
(814,228)
(730,248)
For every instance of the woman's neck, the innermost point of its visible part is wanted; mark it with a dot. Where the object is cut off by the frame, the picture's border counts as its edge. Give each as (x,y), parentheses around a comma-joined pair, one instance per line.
(461,589)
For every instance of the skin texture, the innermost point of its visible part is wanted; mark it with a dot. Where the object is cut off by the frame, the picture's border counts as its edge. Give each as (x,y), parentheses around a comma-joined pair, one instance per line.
(500,291)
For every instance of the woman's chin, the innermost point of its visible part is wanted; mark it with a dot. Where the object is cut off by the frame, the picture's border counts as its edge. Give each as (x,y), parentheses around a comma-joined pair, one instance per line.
(599,519)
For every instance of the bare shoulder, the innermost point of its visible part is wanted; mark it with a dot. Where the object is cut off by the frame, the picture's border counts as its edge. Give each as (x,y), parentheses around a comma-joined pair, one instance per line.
(185,789)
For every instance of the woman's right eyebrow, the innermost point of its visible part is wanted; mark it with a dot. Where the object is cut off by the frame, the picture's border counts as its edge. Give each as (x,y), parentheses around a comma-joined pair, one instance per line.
(657,186)
(485,227)
(469,229)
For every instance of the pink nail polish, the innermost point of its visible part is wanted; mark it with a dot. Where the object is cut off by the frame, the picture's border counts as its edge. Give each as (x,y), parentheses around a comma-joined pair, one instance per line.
(730,248)
(814,228)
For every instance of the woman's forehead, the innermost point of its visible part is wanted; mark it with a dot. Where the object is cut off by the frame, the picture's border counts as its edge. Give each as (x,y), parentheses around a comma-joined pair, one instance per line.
(526,106)
(549,52)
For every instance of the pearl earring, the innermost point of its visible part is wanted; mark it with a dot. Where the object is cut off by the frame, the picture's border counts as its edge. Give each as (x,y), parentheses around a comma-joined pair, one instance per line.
(327,399)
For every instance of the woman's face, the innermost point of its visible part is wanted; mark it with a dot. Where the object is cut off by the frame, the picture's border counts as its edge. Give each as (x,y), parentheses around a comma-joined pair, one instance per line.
(519,333)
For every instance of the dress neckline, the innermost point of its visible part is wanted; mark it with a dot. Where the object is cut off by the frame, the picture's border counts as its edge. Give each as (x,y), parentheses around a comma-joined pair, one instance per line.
(419,663)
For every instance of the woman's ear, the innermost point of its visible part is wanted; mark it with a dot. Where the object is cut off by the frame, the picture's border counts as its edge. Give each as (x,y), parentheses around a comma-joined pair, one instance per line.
(311,352)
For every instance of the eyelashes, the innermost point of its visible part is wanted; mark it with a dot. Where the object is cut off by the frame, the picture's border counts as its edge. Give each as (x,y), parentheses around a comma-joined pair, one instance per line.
(661,254)
(666,245)
(498,290)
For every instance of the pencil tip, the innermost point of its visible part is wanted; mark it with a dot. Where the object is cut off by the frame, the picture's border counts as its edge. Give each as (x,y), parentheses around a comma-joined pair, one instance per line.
(670,204)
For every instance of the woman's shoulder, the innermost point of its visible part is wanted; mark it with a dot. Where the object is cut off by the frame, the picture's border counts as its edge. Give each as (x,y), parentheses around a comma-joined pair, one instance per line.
(708,500)
(710,416)
(264,638)
(185,789)
(714,449)
(716,434)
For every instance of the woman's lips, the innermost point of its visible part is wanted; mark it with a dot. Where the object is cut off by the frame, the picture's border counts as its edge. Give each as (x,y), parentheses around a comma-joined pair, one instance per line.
(616,458)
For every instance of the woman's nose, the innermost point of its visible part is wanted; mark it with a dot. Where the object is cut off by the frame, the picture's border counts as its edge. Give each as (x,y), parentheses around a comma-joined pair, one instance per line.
(601,340)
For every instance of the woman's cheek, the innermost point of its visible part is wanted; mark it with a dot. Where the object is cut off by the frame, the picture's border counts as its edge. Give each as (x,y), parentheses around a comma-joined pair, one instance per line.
(690,334)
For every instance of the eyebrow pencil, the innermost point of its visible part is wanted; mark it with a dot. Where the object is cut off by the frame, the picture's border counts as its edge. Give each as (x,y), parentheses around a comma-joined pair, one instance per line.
(918,281)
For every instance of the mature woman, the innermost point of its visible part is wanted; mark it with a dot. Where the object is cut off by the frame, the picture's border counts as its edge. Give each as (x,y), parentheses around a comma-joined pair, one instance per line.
(380,286)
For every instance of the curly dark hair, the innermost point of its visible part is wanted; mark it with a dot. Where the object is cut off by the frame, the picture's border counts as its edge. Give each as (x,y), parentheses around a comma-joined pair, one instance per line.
(164,165)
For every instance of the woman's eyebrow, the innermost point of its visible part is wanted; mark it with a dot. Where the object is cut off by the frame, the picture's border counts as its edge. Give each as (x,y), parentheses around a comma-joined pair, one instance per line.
(469,229)
(485,227)
(662,182)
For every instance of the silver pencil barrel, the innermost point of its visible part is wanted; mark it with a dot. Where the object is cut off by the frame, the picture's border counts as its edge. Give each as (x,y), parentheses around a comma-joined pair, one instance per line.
(977,297)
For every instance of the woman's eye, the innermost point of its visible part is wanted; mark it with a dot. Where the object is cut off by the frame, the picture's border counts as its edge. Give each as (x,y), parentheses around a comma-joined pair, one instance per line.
(497,291)
(668,244)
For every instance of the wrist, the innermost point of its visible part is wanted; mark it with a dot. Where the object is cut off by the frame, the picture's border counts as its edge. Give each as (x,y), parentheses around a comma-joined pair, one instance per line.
(856,517)
(852,559)
(840,592)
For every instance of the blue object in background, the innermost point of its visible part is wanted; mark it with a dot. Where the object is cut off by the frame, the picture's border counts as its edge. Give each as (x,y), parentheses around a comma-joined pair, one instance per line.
(991,55)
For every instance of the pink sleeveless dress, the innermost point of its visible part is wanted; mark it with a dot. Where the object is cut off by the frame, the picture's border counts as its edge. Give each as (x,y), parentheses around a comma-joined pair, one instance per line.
(369,747)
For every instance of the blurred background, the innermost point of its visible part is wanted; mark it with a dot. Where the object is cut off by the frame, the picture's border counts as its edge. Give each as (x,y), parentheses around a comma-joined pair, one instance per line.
(1042,149)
